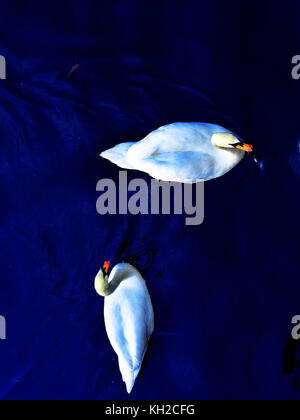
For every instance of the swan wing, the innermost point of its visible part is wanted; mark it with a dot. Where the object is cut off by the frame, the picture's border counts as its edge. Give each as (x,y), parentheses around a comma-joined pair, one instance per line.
(177,137)
(180,166)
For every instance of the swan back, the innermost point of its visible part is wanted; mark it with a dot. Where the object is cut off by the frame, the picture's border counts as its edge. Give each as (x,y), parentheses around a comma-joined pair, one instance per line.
(129,320)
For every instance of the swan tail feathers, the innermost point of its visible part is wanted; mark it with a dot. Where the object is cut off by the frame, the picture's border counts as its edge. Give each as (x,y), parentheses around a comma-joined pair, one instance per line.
(129,374)
(119,155)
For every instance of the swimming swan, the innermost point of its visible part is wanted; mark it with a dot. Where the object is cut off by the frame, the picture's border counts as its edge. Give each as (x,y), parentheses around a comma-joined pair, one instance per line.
(182,152)
(128,314)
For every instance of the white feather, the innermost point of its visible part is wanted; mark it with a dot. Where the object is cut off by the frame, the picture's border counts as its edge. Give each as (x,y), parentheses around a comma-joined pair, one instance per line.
(180,152)
(129,321)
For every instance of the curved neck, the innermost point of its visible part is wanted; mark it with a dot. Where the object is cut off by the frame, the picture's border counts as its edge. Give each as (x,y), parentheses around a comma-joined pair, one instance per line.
(103,287)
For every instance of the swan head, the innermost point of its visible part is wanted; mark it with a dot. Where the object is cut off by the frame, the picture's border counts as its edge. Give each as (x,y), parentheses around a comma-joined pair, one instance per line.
(101,280)
(229,141)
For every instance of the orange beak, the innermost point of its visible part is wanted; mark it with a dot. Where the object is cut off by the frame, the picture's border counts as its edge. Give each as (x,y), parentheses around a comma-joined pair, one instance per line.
(106,266)
(246,147)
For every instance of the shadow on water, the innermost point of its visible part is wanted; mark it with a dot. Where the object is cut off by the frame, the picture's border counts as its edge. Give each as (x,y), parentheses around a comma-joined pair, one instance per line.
(290,361)
(138,254)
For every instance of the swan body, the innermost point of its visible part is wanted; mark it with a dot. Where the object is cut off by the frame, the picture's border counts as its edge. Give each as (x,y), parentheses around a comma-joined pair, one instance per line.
(129,317)
(182,152)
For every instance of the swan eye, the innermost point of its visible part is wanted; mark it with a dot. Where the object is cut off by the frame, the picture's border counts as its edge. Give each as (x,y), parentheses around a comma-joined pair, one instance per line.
(105,267)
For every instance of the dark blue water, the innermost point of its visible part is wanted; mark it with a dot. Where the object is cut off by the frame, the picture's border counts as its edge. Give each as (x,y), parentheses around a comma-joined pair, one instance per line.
(224,292)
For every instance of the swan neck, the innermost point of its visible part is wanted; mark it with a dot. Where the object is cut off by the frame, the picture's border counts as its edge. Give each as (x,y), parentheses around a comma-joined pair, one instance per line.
(104,287)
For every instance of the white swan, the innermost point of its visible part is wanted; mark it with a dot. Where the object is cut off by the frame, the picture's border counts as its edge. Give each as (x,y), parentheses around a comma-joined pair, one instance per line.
(128,314)
(182,152)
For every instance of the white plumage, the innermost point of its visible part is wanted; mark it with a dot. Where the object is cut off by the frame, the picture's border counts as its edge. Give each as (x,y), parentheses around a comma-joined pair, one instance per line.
(182,152)
(129,320)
